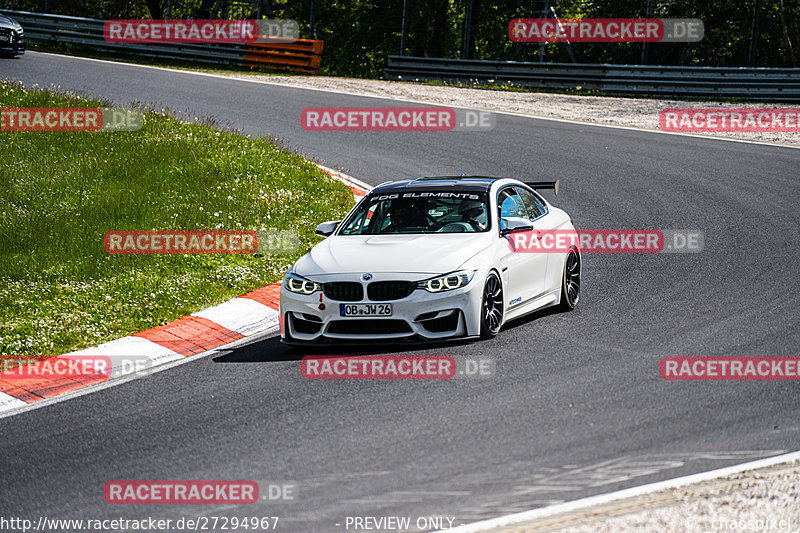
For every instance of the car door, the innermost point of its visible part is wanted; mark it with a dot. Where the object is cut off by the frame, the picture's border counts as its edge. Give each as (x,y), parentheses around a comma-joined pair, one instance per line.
(547,221)
(524,270)
(542,221)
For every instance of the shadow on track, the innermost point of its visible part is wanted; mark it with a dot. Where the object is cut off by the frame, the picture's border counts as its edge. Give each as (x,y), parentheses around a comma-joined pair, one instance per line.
(271,350)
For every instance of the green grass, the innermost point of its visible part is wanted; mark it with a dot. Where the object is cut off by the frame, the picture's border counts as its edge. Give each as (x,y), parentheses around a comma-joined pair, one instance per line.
(61,191)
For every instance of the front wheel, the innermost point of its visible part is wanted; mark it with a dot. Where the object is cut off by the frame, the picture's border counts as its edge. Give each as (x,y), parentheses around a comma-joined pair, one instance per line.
(571,281)
(491,307)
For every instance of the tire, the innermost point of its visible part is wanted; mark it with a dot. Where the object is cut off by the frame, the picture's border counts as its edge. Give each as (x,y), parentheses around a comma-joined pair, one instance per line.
(491,306)
(571,281)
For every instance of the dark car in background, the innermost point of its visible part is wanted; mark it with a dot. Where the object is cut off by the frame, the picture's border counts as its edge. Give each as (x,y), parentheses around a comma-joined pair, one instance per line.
(12,37)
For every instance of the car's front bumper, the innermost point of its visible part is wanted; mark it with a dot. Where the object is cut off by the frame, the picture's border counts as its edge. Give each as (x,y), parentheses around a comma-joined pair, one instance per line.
(420,317)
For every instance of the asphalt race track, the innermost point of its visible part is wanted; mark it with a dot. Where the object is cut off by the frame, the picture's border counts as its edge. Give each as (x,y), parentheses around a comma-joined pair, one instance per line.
(577,407)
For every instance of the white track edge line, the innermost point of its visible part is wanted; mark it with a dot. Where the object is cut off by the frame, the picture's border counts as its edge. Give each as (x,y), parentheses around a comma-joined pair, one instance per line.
(583,503)
(90,389)
(631,128)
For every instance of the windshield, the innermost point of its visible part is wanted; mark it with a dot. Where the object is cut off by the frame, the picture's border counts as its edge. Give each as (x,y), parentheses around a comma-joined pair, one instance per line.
(419,212)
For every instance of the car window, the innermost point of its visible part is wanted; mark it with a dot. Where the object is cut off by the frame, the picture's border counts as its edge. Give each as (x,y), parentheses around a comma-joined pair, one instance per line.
(420,212)
(510,204)
(532,203)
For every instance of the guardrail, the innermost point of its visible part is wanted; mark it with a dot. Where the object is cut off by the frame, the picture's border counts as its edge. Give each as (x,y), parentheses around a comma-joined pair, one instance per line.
(752,83)
(302,55)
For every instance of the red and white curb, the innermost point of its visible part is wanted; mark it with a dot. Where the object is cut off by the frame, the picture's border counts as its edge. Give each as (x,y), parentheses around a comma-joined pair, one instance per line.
(358,187)
(255,313)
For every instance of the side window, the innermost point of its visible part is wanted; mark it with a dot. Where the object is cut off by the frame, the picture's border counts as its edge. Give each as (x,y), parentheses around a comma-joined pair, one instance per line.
(510,204)
(532,203)
(362,223)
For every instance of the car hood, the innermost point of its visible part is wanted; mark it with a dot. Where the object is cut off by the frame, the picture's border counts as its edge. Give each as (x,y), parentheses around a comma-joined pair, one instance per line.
(6,22)
(424,254)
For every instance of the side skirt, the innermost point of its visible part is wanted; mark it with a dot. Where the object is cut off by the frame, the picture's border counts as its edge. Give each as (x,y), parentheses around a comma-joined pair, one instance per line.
(546,300)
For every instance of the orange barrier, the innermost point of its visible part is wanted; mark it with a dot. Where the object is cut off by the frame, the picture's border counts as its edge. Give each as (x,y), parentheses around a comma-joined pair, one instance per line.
(303,55)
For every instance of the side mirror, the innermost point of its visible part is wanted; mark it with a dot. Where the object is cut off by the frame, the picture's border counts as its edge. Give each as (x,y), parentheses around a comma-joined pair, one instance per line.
(514,224)
(327,228)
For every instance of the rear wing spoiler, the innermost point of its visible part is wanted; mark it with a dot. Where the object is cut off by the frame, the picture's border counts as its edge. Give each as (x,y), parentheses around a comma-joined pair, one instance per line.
(543,185)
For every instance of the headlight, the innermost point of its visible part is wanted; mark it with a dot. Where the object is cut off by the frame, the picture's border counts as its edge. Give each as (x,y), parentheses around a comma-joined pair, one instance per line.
(448,282)
(300,285)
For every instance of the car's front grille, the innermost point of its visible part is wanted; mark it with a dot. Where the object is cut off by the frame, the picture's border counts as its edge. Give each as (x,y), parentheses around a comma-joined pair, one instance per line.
(389,290)
(344,291)
(366,326)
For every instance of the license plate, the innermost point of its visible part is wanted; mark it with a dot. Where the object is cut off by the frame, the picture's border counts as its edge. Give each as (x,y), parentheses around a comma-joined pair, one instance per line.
(365,309)
(5,38)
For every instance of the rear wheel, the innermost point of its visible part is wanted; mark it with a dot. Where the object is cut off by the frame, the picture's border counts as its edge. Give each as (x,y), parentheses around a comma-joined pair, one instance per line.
(571,281)
(491,307)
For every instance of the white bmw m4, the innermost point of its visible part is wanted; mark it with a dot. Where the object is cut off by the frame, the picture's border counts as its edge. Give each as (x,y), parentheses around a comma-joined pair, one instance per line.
(429,259)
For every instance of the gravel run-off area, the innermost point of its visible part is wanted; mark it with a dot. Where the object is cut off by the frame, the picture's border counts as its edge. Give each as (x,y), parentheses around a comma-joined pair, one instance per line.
(631,112)
(764,500)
